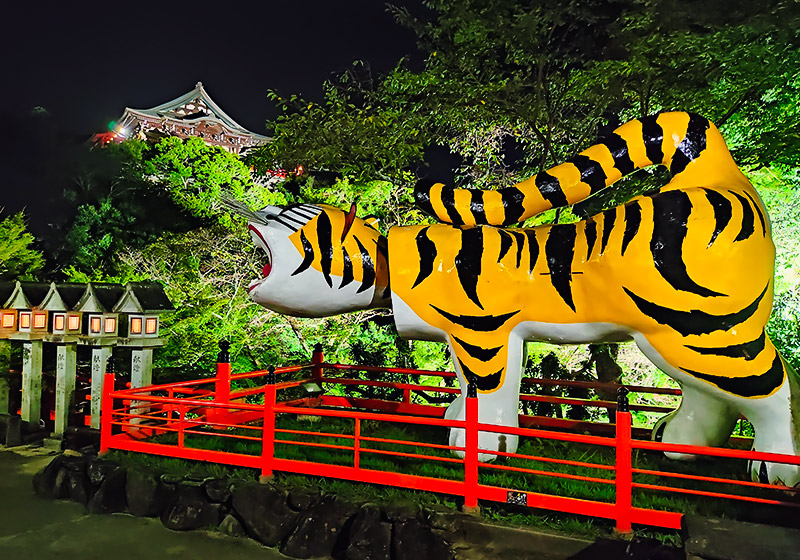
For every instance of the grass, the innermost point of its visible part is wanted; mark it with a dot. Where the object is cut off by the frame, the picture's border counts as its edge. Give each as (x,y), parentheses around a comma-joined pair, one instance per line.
(515,515)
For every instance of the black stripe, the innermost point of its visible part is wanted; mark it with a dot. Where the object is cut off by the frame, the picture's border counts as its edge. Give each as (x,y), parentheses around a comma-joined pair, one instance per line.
(324,232)
(618,147)
(426,249)
(449,202)
(633,217)
(759,212)
(520,238)
(747,350)
(695,321)
(305,211)
(347,269)
(653,136)
(533,249)
(692,144)
(478,352)
(476,207)
(591,172)
(671,212)
(748,218)
(590,229)
(512,199)
(286,216)
(483,323)
(608,224)
(482,382)
(468,262)
(722,212)
(289,226)
(560,250)
(308,249)
(505,243)
(422,196)
(368,279)
(750,385)
(550,189)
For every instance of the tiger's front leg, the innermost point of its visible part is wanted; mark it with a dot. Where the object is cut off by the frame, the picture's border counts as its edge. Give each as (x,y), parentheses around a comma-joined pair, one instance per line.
(498,382)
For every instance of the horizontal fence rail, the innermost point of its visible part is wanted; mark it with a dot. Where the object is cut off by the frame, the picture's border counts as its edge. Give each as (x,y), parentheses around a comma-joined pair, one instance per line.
(208,420)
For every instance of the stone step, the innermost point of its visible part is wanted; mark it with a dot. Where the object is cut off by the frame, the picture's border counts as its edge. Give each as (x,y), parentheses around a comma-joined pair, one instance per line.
(724,539)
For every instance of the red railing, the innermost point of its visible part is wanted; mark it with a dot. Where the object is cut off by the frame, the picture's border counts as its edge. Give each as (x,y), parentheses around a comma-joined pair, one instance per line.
(189,412)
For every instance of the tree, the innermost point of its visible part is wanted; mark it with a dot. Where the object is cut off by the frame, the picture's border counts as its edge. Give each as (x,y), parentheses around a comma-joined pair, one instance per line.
(17,260)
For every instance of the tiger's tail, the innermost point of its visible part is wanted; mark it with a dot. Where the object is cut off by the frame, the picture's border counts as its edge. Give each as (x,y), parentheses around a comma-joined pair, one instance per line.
(673,139)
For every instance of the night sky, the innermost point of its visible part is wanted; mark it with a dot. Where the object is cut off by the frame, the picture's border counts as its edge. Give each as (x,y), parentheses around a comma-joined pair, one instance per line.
(86,61)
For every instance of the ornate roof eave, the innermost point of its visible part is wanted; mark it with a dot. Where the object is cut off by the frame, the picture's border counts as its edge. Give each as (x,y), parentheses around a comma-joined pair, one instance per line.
(193,122)
(198,91)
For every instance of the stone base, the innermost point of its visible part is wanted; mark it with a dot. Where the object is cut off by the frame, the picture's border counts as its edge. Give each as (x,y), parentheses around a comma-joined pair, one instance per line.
(723,539)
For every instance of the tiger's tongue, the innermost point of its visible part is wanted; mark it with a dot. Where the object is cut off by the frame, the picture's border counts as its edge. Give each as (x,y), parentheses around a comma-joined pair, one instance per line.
(267,269)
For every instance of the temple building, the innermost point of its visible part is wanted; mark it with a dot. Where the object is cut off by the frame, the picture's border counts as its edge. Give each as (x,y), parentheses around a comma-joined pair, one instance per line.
(193,114)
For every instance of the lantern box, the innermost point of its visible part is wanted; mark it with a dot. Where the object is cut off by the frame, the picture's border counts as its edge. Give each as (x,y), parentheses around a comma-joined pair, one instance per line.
(143,326)
(67,323)
(32,321)
(102,325)
(8,321)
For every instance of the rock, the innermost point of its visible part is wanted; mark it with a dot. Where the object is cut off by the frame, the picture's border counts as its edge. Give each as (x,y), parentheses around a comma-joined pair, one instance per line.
(370,537)
(218,491)
(78,487)
(190,510)
(231,526)
(401,511)
(444,519)
(411,540)
(110,496)
(146,495)
(97,469)
(301,500)
(74,463)
(51,482)
(319,529)
(264,512)
(88,450)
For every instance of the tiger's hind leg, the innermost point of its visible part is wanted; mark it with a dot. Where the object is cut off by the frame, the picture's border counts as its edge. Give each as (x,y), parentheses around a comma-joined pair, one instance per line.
(498,395)
(710,406)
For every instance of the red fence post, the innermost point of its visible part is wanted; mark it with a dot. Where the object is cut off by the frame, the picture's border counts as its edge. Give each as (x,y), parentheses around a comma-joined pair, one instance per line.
(106,410)
(624,475)
(268,441)
(222,386)
(317,357)
(471,451)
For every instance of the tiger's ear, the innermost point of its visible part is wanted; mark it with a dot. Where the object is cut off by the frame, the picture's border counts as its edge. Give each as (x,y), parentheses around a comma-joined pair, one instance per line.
(372,221)
(349,219)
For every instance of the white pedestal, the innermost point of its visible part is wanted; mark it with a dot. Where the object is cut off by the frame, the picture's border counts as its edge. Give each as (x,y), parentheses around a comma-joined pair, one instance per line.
(32,381)
(66,370)
(100,356)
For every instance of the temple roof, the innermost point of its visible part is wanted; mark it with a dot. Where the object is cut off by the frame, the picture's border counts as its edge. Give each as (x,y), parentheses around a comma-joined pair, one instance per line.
(193,107)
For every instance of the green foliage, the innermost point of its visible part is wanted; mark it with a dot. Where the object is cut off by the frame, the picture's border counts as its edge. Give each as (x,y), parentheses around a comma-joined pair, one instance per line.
(17,260)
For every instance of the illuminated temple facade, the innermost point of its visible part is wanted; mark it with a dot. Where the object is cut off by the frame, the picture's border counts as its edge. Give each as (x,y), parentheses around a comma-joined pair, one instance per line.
(193,114)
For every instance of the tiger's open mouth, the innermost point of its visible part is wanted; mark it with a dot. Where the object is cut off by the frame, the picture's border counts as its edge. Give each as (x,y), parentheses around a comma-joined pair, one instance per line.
(259,241)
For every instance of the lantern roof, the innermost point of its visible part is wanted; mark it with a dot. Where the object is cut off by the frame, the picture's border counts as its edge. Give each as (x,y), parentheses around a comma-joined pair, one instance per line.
(6,289)
(144,297)
(63,296)
(100,297)
(27,295)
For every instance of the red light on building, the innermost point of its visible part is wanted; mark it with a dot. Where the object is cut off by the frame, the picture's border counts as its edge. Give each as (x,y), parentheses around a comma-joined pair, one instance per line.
(59,321)
(111,325)
(151,326)
(24,320)
(95,324)
(136,325)
(74,322)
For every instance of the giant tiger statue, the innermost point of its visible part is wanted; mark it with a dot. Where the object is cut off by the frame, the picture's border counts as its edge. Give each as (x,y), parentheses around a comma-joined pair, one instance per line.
(686,272)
